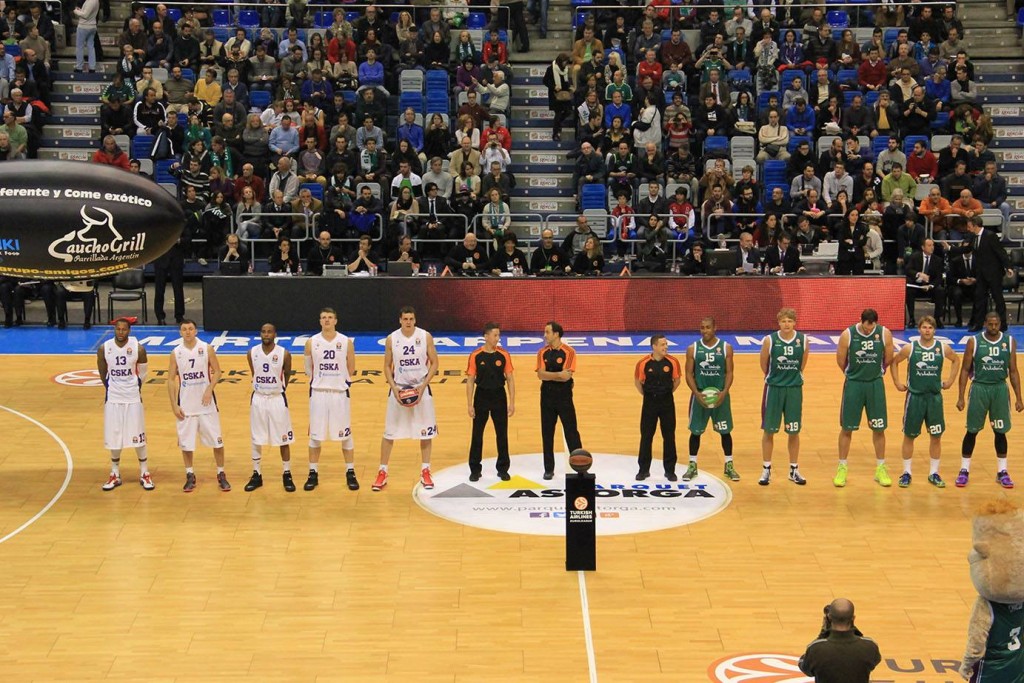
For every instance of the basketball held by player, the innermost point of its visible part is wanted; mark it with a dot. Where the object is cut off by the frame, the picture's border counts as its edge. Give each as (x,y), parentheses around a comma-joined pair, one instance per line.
(193,373)
(330,363)
(410,363)
(123,364)
(270,423)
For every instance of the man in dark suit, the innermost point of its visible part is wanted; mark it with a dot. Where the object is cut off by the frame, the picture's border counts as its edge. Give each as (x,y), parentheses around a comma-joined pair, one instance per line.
(784,258)
(172,266)
(747,256)
(924,280)
(962,274)
(992,264)
(433,223)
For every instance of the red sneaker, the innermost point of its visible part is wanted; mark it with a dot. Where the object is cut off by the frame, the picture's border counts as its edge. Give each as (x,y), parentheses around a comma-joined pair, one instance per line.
(147,481)
(425,479)
(381,481)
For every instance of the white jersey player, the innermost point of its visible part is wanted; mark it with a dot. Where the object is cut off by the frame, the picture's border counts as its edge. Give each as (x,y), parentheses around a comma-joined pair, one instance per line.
(270,366)
(122,364)
(193,373)
(410,362)
(330,362)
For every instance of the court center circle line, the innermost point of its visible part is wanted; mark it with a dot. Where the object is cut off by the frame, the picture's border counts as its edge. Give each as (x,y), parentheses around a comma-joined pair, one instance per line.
(67,476)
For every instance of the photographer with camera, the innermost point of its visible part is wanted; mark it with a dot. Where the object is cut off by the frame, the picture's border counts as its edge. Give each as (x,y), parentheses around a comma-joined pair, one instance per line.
(841,654)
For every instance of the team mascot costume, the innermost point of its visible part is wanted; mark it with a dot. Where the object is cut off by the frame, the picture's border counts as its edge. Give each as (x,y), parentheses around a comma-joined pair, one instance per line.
(995,653)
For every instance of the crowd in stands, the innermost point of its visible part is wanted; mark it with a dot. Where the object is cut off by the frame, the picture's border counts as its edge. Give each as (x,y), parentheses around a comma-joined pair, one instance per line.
(777,125)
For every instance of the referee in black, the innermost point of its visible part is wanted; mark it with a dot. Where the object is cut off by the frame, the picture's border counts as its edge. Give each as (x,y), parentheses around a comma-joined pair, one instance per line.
(490,368)
(556,364)
(658,375)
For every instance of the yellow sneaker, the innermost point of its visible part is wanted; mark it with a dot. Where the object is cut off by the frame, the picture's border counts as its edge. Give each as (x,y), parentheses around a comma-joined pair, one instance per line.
(882,475)
(840,479)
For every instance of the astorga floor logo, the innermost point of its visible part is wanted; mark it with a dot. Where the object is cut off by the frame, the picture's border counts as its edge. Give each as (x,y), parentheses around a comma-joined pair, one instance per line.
(526,504)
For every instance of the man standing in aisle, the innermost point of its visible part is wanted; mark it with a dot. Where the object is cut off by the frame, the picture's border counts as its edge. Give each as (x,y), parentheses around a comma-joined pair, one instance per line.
(122,364)
(863,354)
(193,373)
(270,366)
(924,386)
(488,371)
(657,377)
(410,362)
(784,356)
(990,358)
(556,365)
(709,377)
(330,362)
(992,263)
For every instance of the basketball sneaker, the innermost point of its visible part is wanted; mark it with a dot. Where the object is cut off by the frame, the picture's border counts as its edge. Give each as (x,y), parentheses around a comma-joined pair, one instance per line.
(350,479)
(961,479)
(146,480)
(904,480)
(222,482)
(936,481)
(1004,480)
(766,476)
(190,482)
(311,481)
(425,479)
(882,475)
(255,481)
(113,481)
(839,480)
(691,472)
(796,477)
(381,481)
(731,472)
(289,483)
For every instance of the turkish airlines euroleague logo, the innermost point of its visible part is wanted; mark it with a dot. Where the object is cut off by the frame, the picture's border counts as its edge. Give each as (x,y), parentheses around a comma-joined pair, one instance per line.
(758,668)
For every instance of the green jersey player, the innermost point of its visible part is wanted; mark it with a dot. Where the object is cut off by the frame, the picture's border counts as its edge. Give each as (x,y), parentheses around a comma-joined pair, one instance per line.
(709,377)
(783,359)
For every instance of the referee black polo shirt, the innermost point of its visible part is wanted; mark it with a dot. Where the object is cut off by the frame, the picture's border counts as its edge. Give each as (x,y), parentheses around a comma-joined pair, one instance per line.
(556,360)
(490,369)
(658,376)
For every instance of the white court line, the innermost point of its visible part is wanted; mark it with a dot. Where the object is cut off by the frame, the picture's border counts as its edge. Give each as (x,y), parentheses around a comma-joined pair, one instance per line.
(67,476)
(588,636)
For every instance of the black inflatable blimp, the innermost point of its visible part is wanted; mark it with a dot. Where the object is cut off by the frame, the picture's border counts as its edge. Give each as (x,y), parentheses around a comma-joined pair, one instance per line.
(68,220)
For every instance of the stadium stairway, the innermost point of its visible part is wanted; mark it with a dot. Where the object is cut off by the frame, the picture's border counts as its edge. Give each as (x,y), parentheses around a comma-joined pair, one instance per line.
(542,170)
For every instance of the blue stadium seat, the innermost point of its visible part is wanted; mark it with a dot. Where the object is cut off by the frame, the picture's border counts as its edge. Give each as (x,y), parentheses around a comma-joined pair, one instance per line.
(716,143)
(352,17)
(162,172)
(438,103)
(437,79)
(870,98)
(795,140)
(315,189)
(174,14)
(13,49)
(221,33)
(762,98)
(837,19)
(259,99)
(348,95)
(910,140)
(941,121)
(787,76)
(879,143)
(248,18)
(738,76)
(142,146)
(1020,17)
(411,99)
(594,196)
(188,74)
(183,119)
(846,76)
(476,21)
(582,3)
(774,171)
(848,96)
(322,20)
(151,13)
(889,37)
(221,17)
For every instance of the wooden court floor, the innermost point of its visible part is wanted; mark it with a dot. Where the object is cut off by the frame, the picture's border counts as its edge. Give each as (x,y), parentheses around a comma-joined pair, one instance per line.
(365,586)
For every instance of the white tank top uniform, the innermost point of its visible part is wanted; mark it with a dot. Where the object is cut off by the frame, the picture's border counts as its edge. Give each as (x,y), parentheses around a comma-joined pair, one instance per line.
(268,407)
(329,404)
(410,365)
(194,377)
(123,418)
